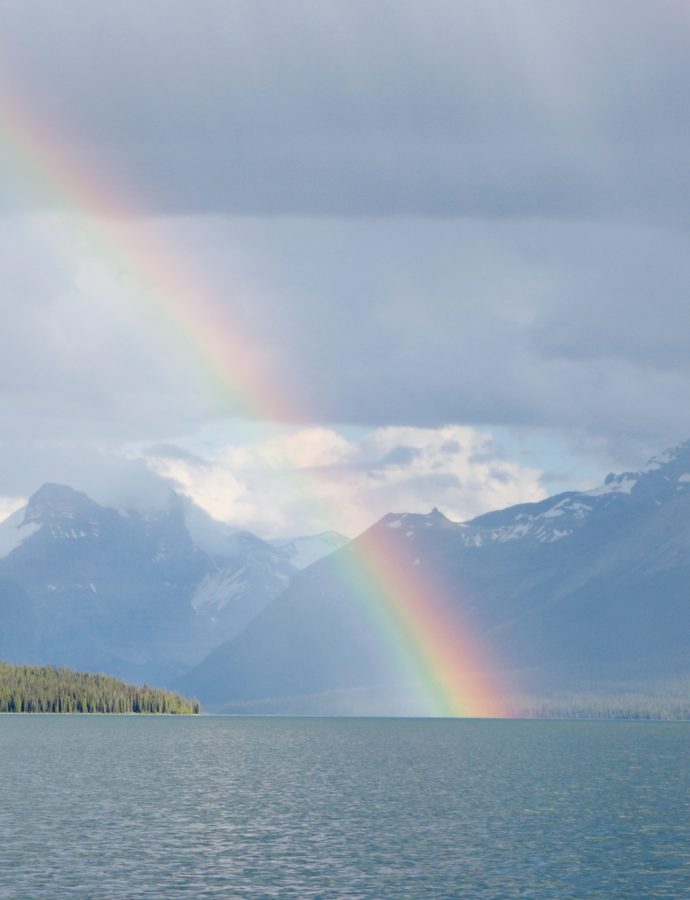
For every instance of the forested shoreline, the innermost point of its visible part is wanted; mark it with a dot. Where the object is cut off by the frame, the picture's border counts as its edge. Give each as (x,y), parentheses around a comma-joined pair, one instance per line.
(52,689)
(667,700)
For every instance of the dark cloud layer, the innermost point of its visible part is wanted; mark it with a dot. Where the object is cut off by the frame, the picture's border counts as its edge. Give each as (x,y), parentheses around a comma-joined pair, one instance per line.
(486,108)
(422,213)
(574,326)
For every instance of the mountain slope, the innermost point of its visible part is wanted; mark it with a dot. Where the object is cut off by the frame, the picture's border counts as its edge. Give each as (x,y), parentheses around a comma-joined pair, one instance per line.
(576,592)
(303,551)
(143,596)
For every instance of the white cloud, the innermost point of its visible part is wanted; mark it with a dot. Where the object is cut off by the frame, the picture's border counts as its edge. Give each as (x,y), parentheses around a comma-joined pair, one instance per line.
(315,478)
(8,505)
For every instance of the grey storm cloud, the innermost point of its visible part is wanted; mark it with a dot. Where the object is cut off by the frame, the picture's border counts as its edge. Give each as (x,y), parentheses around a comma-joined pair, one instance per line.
(346,107)
(422,213)
(536,322)
(570,325)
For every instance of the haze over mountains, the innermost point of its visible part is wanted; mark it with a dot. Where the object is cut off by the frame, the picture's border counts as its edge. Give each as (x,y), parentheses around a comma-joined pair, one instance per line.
(141,596)
(584,591)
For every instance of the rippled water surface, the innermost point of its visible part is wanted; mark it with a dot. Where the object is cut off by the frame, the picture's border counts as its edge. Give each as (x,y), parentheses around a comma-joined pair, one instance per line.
(133,807)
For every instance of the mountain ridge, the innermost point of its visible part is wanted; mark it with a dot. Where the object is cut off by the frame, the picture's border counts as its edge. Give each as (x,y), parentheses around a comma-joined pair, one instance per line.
(574,592)
(143,595)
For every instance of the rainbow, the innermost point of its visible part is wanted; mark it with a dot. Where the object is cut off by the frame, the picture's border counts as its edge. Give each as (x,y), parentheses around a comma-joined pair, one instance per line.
(168,294)
(431,651)
(419,620)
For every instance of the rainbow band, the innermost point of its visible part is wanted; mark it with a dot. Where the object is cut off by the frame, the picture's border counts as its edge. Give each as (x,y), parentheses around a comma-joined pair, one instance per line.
(420,624)
(167,293)
(410,612)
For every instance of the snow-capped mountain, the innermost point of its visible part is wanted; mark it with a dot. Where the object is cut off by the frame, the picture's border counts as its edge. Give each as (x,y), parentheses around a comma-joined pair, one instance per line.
(579,591)
(138,595)
(665,477)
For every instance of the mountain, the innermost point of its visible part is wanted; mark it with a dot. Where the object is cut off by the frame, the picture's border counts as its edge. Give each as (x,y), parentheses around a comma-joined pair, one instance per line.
(142,596)
(584,592)
(303,551)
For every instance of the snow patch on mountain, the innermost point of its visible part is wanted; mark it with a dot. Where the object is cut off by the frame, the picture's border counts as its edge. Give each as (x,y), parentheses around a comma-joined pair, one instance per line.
(218,589)
(665,476)
(615,484)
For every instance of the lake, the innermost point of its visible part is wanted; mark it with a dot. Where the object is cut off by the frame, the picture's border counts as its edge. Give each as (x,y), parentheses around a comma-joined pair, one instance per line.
(110,806)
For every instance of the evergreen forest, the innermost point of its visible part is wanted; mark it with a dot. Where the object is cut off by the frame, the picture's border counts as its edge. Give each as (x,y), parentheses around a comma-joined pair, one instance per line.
(49,689)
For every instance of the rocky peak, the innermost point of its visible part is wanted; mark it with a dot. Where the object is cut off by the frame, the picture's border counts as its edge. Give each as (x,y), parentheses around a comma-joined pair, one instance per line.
(53,502)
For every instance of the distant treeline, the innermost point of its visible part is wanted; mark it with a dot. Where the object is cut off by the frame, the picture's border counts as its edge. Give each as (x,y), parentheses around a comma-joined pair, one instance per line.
(667,701)
(48,689)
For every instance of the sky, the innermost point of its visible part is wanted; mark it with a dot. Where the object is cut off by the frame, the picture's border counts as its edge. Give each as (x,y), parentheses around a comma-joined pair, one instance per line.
(444,247)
